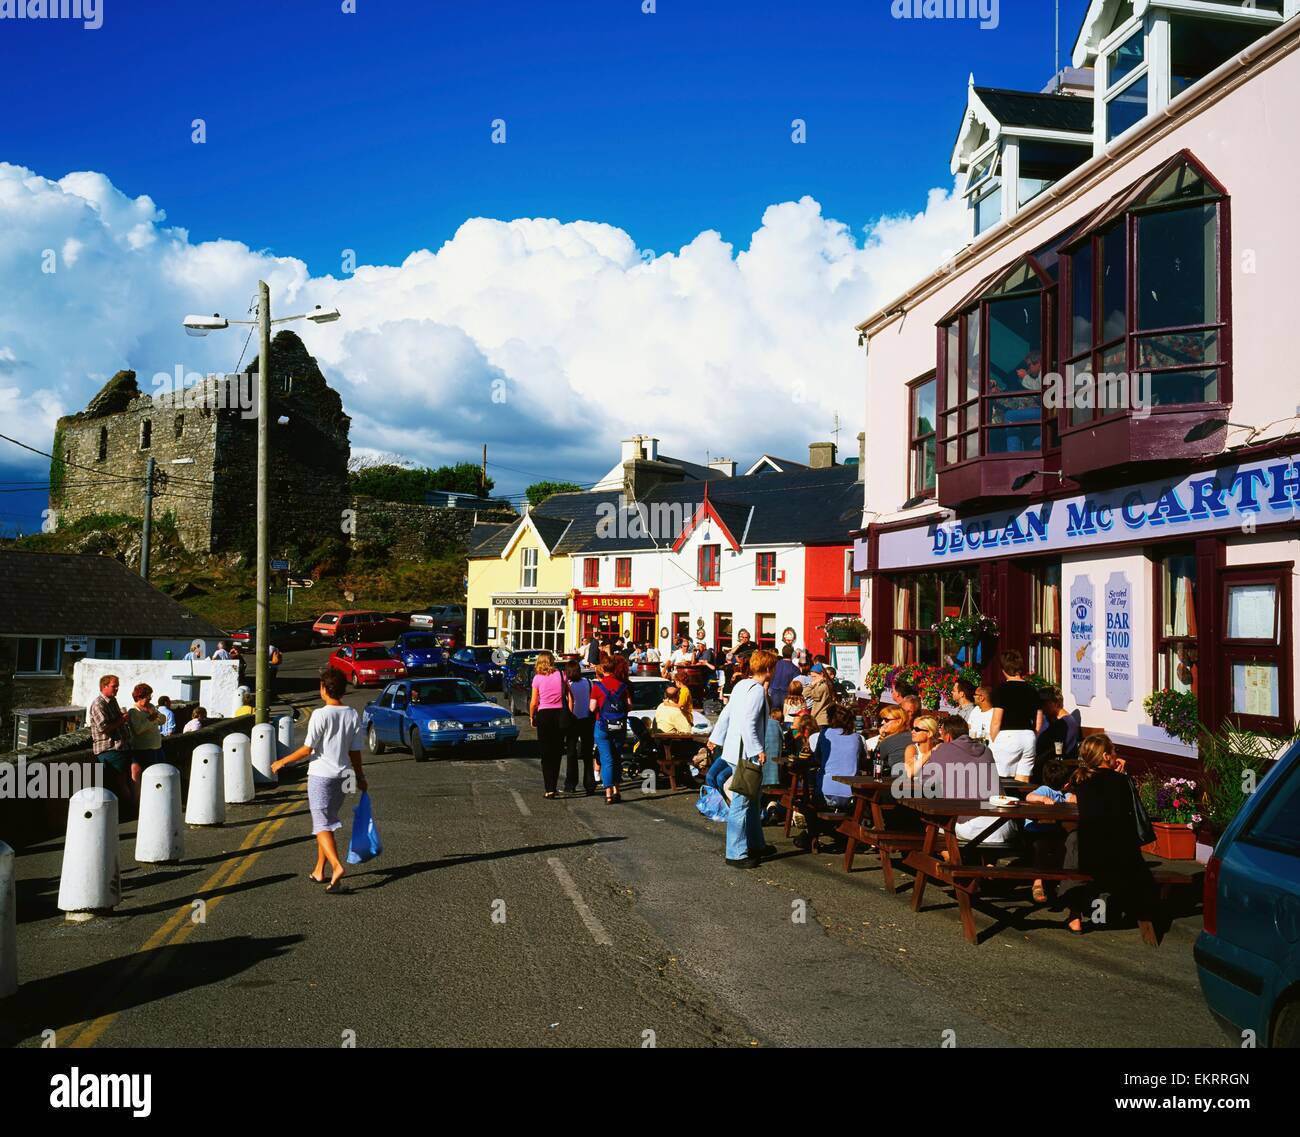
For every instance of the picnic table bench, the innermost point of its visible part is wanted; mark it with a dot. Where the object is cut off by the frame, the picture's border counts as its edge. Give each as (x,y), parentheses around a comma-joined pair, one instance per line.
(673,752)
(940,817)
(872,794)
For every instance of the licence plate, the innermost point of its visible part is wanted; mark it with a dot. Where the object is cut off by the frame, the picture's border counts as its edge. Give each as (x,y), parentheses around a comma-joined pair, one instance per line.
(481,737)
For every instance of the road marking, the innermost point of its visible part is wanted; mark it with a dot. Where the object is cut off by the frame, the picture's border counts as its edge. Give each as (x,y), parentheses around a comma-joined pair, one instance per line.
(84,1034)
(588,917)
(519,801)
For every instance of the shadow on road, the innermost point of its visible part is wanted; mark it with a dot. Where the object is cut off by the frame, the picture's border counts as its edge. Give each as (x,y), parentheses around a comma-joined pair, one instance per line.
(401,872)
(117,985)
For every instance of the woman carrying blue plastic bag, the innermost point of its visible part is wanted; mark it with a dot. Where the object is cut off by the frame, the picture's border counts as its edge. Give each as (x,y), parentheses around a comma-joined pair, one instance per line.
(365,842)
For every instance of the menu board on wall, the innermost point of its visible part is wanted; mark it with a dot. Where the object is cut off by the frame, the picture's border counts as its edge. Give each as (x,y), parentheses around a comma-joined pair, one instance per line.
(847,662)
(1083,630)
(1119,641)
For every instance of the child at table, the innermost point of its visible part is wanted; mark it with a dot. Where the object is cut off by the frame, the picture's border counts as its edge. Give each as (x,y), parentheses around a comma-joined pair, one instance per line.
(1047,837)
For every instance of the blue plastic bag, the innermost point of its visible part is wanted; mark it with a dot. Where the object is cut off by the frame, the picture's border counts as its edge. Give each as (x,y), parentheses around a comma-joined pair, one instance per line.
(712,804)
(365,842)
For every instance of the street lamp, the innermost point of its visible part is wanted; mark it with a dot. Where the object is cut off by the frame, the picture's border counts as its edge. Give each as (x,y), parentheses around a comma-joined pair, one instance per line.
(201,326)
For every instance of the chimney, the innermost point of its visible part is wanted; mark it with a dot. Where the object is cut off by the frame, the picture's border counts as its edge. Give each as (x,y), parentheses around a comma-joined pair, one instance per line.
(862,455)
(725,466)
(821,455)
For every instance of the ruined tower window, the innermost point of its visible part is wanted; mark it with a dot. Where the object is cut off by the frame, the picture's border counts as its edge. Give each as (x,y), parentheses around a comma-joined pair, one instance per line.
(180,425)
(146,434)
(103,443)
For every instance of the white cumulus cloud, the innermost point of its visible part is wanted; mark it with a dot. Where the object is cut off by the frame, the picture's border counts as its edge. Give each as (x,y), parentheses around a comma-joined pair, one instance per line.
(549,341)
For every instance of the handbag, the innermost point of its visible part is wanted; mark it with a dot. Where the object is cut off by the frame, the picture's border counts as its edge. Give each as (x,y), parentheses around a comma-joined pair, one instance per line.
(1145,831)
(748,779)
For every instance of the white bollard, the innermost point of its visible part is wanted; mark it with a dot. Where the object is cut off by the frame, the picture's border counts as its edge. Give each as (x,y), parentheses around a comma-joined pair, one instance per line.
(207,800)
(238,769)
(8,924)
(90,880)
(283,732)
(159,837)
(263,746)
(240,692)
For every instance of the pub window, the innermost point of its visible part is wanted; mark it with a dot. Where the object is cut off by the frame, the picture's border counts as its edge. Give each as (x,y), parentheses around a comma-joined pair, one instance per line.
(681,626)
(765,568)
(37,656)
(1176,631)
(1254,647)
(528,569)
(722,631)
(1045,628)
(591,572)
(710,565)
(921,437)
(622,572)
(765,630)
(920,601)
(1166,236)
(146,434)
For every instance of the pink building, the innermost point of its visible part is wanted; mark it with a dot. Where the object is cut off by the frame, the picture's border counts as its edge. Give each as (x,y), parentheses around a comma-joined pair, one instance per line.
(1086,422)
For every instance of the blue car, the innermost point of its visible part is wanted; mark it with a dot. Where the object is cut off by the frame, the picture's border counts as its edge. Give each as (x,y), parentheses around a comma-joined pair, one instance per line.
(1248,956)
(433,717)
(482,665)
(420,653)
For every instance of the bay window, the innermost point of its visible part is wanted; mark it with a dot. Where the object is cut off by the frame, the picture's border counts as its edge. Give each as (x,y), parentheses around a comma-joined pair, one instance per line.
(1127,84)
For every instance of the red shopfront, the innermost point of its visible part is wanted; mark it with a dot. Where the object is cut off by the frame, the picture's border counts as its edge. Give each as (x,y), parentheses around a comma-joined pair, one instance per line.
(610,615)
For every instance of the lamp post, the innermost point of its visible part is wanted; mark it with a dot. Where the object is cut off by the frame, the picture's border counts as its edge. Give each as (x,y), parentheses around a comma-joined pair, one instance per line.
(201,326)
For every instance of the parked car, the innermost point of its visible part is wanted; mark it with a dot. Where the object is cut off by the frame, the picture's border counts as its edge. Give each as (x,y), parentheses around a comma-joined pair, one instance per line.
(482,665)
(438,615)
(518,677)
(436,717)
(648,693)
(366,663)
(420,653)
(356,625)
(292,636)
(1248,955)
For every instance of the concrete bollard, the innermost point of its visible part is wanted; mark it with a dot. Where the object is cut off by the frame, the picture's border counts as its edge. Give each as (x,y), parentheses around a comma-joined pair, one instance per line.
(91,880)
(264,754)
(159,837)
(8,924)
(237,768)
(207,801)
(240,692)
(283,732)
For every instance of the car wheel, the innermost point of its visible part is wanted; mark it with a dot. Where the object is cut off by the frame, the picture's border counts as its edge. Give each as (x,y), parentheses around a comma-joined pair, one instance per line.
(417,747)
(1286,1027)
(372,740)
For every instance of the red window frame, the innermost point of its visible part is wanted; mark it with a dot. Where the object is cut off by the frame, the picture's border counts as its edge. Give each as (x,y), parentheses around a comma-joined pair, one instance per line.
(765,569)
(722,636)
(709,572)
(1275,650)
(591,572)
(764,641)
(622,572)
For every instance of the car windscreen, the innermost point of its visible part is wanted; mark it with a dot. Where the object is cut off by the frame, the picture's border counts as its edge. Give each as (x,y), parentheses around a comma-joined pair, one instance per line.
(328,620)
(521,657)
(482,654)
(647,696)
(419,641)
(372,653)
(427,694)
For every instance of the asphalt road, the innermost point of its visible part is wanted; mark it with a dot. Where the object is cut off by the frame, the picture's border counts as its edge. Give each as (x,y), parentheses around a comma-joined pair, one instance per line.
(496,917)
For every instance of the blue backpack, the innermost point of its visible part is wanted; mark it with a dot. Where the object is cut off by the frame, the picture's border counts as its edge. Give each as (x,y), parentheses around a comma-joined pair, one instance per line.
(613,709)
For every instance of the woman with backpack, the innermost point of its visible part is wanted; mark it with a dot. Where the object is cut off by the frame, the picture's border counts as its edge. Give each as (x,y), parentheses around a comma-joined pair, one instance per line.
(611,699)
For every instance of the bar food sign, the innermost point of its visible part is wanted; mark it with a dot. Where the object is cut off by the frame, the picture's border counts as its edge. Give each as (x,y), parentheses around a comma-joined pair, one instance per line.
(1230,497)
(1119,641)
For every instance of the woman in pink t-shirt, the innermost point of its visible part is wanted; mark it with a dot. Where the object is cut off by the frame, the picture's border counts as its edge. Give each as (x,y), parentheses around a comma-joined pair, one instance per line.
(547,711)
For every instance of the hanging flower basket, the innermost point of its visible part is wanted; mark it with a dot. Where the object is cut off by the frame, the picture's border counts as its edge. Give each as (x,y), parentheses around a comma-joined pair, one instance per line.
(847,630)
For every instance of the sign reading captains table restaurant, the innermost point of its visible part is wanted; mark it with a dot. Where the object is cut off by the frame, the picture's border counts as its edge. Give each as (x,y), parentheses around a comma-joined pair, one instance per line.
(527,600)
(1266,491)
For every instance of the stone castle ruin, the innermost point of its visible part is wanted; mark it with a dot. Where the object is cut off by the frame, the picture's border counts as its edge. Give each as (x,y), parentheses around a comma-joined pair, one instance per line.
(204,441)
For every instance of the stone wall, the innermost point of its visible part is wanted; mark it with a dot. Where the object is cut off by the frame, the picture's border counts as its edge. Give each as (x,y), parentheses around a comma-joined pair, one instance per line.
(416,532)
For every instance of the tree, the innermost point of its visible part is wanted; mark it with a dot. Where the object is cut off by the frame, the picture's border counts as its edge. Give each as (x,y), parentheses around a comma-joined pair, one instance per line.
(538,492)
(391,482)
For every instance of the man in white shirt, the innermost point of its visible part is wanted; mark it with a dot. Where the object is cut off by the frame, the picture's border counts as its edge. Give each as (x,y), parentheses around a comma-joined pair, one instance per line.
(221,652)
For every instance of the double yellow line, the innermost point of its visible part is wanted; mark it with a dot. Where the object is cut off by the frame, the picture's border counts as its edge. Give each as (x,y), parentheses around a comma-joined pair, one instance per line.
(180,925)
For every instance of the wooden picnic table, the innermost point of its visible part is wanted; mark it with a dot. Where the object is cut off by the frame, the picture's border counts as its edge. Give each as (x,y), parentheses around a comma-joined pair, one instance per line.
(940,816)
(872,794)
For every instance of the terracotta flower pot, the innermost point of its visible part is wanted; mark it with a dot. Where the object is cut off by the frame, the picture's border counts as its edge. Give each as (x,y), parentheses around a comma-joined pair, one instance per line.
(1173,842)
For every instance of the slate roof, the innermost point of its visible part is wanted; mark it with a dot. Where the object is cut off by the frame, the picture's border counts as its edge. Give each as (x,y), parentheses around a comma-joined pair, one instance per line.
(71,594)
(551,529)
(1046,112)
(786,465)
(810,507)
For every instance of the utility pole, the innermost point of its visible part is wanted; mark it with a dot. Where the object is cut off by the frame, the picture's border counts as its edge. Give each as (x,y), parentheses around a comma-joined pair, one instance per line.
(263,635)
(149,468)
(482,478)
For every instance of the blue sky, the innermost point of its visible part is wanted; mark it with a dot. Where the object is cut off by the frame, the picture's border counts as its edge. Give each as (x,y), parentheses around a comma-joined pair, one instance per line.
(371,131)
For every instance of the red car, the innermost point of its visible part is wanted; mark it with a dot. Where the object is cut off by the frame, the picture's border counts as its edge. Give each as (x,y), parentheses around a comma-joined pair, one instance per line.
(366,664)
(358,625)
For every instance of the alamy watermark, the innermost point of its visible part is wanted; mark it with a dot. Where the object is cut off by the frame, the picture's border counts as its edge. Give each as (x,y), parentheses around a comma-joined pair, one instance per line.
(89,12)
(987,12)
(658,521)
(45,781)
(188,389)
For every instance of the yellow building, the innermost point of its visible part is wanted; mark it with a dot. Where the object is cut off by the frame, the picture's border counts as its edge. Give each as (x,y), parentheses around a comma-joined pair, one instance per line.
(519,586)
